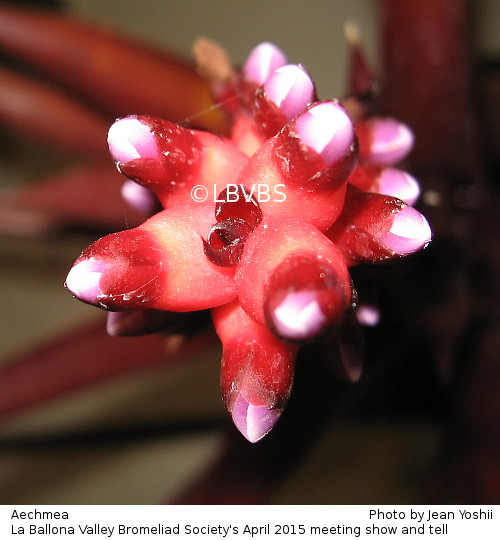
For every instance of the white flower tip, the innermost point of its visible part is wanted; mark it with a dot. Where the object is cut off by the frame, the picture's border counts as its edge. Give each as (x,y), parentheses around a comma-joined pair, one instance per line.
(391,141)
(253,421)
(129,138)
(262,61)
(298,316)
(409,232)
(290,88)
(399,184)
(327,129)
(84,278)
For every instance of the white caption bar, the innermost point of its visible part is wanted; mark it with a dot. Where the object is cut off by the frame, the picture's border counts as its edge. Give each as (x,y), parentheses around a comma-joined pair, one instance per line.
(250,522)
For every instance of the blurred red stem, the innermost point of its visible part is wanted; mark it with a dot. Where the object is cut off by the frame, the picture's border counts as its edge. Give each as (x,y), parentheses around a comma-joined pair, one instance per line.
(40,111)
(427,82)
(80,359)
(118,74)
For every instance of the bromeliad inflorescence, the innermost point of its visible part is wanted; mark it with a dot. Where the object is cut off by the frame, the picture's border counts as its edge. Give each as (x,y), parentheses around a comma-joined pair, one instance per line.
(259,226)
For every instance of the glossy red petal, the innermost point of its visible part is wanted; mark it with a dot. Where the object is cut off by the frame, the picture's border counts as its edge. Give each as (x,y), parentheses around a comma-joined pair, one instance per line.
(180,165)
(286,257)
(375,228)
(256,371)
(160,265)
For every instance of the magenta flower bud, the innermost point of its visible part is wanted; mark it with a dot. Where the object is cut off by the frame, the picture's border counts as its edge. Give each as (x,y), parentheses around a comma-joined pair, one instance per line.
(399,184)
(262,61)
(293,279)
(129,139)
(327,129)
(256,371)
(375,227)
(253,421)
(126,323)
(304,296)
(386,181)
(141,322)
(409,232)
(291,89)
(83,280)
(384,141)
(344,349)
(298,315)
(120,271)
(367,314)
(351,352)
(285,94)
(145,267)
(139,197)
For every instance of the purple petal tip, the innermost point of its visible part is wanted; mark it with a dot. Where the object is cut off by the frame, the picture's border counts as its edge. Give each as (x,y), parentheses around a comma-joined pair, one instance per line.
(392,141)
(399,184)
(262,61)
(129,138)
(409,232)
(367,315)
(253,421)
(138,197)
(84,278)
(291,89)
(353,367)
(327,129)
(298,316)
(116,323)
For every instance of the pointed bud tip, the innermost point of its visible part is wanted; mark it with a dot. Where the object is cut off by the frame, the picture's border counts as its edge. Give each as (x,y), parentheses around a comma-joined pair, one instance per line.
(114,323)
(391,141)
(304,295)
(409,232)
(291,89)
(84,278)
(128,323)
(353,372)
(138,197)
(367,315)
(129,138)
(253,421)
(298,316)
(399,184)
(327,129)
(262,61)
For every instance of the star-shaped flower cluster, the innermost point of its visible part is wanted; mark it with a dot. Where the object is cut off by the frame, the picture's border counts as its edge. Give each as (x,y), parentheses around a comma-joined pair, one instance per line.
(259,226)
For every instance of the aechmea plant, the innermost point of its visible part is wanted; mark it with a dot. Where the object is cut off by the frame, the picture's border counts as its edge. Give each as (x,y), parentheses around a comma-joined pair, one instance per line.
(260,226)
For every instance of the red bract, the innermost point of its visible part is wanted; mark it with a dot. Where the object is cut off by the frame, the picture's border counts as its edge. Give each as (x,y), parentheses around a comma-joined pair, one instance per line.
(260,226)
